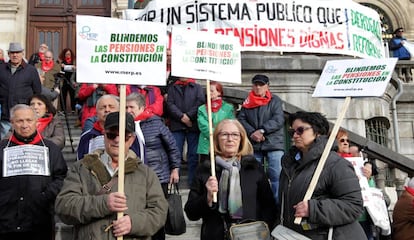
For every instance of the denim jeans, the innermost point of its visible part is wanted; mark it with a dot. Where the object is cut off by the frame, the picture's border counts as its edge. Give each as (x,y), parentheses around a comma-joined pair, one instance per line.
(192,158)
(4,128)
(274,167)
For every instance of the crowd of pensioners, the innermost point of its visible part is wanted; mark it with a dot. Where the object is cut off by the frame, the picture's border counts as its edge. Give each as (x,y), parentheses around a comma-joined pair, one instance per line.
(254,177)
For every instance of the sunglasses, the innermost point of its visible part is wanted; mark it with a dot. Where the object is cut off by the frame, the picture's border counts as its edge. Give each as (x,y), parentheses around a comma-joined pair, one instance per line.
(299,131)
(112,136)
(344,140)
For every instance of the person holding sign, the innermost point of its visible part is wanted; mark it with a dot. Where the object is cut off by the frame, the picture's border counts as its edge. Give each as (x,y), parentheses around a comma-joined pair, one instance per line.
(90,200)
(244,192)
(33,174)
(336,202)
(263,118)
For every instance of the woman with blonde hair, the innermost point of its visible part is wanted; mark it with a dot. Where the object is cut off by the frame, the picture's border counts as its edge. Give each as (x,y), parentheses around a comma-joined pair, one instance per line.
(242,188)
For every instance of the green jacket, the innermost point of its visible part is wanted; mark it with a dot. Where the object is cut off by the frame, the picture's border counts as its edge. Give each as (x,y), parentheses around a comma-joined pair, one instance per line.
(225,112)
(78,203)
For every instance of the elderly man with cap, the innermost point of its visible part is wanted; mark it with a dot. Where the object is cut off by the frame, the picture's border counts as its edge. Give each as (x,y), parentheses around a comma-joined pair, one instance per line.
(403,214)
(262,117)
(33,174)
(90,200)
(18,82)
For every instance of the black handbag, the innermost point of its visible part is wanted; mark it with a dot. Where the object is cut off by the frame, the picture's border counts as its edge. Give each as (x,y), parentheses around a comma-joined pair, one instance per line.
(175,224)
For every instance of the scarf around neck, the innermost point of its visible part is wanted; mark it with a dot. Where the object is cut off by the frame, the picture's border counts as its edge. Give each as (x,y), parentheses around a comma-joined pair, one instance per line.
(215,105)
(19,140)
(98,127)
(43,122)
(253,101)
(230,195)
(47,65)
(68,60)
(184,83)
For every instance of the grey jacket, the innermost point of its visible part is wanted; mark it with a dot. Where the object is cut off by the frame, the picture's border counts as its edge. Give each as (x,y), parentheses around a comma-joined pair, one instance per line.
(55,132)
(78,203)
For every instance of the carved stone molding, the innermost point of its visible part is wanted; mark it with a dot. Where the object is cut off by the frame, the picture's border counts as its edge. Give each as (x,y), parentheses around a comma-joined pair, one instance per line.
(9,6)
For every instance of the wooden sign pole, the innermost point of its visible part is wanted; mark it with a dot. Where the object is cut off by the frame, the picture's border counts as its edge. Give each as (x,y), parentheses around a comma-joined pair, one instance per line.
(121,157)
(210,131)
(325,154)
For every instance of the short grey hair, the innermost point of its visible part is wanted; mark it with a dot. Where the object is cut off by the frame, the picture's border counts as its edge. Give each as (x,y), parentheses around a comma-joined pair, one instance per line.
(107,96)
(20,107)
(136,97)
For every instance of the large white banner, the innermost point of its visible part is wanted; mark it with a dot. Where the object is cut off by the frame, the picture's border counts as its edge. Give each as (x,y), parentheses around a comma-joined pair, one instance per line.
(355,78)
(314,26)
(205,55)
(120,51)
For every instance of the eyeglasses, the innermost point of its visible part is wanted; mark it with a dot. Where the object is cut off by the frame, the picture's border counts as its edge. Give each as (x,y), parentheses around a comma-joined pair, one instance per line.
(112,136)
(299,131)
(226,135)
(344,140)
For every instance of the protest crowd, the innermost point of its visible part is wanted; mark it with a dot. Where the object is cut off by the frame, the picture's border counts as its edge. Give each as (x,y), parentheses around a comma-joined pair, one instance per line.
(252,177)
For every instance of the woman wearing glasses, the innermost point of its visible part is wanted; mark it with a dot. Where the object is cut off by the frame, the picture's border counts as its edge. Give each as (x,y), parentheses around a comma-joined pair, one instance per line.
(243,191)
(343,143)
(336,202)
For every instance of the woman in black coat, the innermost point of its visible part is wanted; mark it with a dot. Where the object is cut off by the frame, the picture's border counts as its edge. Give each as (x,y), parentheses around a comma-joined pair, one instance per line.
(251,198)
(336,202)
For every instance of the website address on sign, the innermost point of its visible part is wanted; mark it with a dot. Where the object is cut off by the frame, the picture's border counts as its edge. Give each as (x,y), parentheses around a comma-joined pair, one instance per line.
(123,73)
(348,89)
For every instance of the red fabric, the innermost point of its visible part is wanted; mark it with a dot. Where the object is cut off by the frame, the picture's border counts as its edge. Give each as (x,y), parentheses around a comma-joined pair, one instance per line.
(144,115)
(68,60)
(253,101)
(85,91)
(47,65)
(215,105)
(43,122)
(184,83)
(345,155)
(409,190)
(35,140)
(41,56)
(98,126)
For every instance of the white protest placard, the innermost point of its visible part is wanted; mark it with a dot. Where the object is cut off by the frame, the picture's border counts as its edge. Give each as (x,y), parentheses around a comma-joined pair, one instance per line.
(26,160)
(314,26)
(355,78)
(204,55)
(118,51)
(358,163)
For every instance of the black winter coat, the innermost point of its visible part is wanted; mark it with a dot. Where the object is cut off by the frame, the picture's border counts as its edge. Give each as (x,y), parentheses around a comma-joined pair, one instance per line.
(336,201)
(270,118)
(27,201)
(258,201)
(184,99)
(161,151)
(17,88)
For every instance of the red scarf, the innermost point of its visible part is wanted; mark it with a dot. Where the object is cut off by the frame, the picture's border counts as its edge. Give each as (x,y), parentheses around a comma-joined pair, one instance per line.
(47,65)
(68,60)
(41,56)
(43,122)
(184,83)
(144,115)
(409,190)
(253,101)
(215,105)
(35,140)
(345,155)
(98,126)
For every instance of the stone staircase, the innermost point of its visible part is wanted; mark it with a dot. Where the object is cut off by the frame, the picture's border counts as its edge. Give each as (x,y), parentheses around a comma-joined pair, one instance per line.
(65,232)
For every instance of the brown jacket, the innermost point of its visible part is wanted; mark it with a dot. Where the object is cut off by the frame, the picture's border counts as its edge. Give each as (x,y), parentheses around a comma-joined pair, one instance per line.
(55,132)
(403,217)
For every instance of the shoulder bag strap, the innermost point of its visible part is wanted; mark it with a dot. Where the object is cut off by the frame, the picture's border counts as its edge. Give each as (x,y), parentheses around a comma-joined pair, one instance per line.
(106,188)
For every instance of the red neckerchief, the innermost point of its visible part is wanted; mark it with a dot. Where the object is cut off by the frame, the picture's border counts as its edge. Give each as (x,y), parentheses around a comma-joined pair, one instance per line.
(43,122)
(253,101)
(215,105)
(35,140)
(144,115)
(409,190)
(184,83)
(1,59)
(68,60)
(41,56)
(98,126)
(47,65)
(345,155)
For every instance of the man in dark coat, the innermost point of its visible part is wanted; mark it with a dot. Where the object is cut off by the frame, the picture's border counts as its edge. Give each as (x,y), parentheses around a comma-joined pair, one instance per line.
(262,117)
(18,82)
(33,174)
